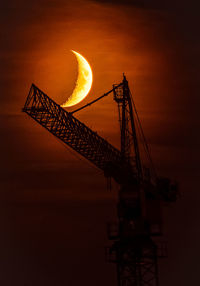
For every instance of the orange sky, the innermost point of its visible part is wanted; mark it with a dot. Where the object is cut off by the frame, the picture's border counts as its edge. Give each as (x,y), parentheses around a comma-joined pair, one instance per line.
(115,39)
(159,52)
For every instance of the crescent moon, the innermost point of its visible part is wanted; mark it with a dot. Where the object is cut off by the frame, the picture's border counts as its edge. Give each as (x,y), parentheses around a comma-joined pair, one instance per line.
(83,83)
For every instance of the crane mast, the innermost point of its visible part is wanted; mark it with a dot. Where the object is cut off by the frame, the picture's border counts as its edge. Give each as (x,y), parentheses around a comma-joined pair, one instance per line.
(139,219)
(133,250)
(127,127)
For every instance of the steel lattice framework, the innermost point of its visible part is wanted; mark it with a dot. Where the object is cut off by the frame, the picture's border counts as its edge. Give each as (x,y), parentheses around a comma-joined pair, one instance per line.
(133,249)
(136,261)
(76,135)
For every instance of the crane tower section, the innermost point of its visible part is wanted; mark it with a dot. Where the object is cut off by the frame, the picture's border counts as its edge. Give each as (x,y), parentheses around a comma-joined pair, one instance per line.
(129,143)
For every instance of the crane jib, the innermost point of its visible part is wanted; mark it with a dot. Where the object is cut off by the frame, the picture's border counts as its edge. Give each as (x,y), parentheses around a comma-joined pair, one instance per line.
(74,133)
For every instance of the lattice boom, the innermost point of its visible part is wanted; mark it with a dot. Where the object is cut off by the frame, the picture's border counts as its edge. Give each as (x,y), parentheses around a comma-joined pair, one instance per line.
(74,133)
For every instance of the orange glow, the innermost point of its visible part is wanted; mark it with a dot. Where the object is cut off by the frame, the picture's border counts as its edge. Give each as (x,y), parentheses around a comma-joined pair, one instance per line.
(83,84)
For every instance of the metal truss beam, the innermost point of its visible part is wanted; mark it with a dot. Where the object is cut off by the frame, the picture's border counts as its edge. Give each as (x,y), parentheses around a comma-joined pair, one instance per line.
(75,134)
(136,262)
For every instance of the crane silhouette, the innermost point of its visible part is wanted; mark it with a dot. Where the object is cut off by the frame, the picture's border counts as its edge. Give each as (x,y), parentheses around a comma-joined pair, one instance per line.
(133,249)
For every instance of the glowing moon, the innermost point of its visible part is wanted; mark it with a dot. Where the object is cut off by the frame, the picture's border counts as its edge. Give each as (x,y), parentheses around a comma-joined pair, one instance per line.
(83,84)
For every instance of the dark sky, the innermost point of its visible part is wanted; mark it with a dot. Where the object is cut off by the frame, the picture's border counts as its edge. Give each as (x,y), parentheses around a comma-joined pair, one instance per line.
(54,204)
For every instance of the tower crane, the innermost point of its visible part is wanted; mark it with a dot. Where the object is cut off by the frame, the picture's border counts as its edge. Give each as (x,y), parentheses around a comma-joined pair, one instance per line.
(133,249)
